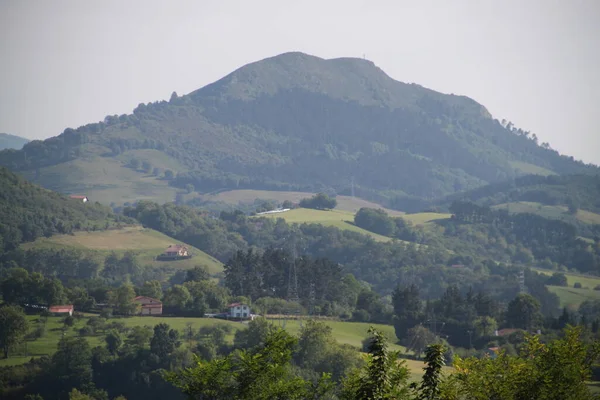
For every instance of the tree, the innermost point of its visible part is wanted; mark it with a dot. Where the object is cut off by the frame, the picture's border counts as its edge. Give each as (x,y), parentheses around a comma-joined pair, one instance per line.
(134,163)
(122,300)
(72,363)
(260,373)
(320,201)
(523,312)
(177,297)
(164,341)
(430,388)
(485,326)
(147,167)
(197,274)
(384,376)
(407,309)
(557,279)
(151,289)
(557,370)
(418,338)
(375,221)
(169,174)
(139,336)
(113,341)
(13,327)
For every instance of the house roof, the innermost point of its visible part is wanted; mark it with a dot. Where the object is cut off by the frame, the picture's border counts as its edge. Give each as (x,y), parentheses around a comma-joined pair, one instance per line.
(78,197)
(176,247)
(235,305)
(61,309)
(494,349)
(507,331)
(138,298)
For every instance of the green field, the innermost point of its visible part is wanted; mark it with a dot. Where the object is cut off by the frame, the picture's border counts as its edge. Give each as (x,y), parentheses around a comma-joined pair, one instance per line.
(345,203)
(146,243)
(351,333)
(569,296)
(527,168)
(336,218)
(425,217)
(107,180)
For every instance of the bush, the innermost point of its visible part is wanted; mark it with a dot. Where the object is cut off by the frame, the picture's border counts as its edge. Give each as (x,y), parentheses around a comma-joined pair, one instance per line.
(597,287)
(86,331)
(577,285)
(320,201)
(557,279)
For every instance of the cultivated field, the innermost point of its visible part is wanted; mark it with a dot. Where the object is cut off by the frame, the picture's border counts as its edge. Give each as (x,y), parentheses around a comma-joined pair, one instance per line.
(345,203)
(530,168)
(146,243)
(425,217)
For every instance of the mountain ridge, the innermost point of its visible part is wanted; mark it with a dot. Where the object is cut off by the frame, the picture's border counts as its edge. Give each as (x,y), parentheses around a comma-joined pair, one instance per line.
(8,141)
(298,123)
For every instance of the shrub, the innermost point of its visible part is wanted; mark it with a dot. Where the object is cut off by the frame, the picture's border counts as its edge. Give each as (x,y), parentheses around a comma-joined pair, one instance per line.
(577,285)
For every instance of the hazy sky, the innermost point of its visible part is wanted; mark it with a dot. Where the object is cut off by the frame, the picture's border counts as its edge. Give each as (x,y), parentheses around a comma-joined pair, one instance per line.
(534,62)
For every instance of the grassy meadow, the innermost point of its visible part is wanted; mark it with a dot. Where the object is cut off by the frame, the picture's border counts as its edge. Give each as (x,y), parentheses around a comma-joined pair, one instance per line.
(553,212)
(336,218)
(571,297)
(345,203)
(146,243)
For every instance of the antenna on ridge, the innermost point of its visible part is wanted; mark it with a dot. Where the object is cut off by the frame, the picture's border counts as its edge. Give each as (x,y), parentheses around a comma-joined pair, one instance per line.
(353,188)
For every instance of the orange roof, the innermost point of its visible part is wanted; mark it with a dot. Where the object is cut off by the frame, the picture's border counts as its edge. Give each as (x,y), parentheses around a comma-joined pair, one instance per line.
(494,349)
(507,331)
(61,309)
(78,197)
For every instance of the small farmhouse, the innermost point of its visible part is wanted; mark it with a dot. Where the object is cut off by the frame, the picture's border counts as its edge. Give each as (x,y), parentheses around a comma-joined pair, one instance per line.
(82,198)
(175,252)
(239,310)
(62,309)
(149,306)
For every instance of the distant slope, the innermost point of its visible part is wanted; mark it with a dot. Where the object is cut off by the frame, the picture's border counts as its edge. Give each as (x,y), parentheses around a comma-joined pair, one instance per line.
(146,243)
(579,191)
(293,122)
(8,141)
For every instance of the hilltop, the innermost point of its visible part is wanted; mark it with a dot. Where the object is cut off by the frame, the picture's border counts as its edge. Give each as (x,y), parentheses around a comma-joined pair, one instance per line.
(293,122)
(8,141)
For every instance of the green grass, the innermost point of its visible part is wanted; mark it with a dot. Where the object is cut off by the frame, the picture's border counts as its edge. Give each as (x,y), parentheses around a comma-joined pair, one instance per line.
(571,297)
(146,243)
(425,217)
(527,168)
(586,281)
(351,333)
(107,180)
(345,203)
(336,218)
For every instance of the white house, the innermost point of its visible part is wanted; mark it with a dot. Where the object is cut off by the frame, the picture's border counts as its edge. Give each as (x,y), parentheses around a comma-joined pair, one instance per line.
(239,310)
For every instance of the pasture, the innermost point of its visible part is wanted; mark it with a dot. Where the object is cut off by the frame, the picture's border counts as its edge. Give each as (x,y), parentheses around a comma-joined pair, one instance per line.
(146,243)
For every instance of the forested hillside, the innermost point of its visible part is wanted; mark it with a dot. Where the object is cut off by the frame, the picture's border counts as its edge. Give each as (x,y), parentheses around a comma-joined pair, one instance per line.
(28,211)
(293,122)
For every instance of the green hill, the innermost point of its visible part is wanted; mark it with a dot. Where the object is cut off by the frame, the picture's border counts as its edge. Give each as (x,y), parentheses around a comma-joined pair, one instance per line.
(145,243)
(293,122)
(8,141)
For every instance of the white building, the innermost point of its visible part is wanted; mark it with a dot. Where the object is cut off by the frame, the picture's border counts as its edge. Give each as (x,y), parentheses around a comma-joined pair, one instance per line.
(239,310)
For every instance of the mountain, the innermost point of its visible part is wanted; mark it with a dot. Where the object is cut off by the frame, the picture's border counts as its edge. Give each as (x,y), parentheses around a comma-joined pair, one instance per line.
(293,122)
(8,141)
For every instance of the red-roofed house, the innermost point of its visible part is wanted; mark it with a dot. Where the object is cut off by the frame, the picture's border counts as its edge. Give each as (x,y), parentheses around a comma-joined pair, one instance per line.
(506,332)
(82,198)
(63,309)
(149,305)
